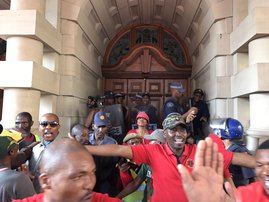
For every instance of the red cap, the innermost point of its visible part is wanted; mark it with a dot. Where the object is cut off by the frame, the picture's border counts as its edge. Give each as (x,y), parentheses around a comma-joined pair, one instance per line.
(142,115)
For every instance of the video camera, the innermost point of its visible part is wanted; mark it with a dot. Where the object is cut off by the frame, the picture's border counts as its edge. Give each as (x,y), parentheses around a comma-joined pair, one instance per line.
(96,102)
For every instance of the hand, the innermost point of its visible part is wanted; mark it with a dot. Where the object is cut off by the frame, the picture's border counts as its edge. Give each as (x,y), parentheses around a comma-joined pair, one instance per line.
(191,114)
(205,184)
(25,170)
(124,167)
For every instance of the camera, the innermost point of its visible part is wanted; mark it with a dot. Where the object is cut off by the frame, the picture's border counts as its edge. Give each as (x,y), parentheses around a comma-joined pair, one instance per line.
(95,102)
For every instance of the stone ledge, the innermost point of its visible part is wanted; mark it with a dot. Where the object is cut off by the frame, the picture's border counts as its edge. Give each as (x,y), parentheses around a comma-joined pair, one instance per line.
(29,23)
(27,74)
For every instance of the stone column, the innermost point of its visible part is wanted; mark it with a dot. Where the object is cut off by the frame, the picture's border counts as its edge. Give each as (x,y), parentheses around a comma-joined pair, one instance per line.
(20,48)
(259,108)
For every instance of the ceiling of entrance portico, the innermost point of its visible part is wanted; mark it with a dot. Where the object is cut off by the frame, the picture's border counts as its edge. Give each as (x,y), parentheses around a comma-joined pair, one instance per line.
(182,16)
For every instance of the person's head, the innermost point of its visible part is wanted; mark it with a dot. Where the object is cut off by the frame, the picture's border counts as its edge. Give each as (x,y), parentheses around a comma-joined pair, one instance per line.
(8,150)
(67,172)
(198,94)
(80,133)
(24,122)
(262,165)
(133,139)
(177,89)
(109,97)
(146,98)
(138,99)
(156,137)
(227,128)
(175,133)
(91,102)
(142,119)
(100,125)
(119,97)
(49,126)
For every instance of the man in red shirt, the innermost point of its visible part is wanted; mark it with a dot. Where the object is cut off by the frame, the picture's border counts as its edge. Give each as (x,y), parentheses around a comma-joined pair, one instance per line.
(163,159)
(67,173)
(205,184)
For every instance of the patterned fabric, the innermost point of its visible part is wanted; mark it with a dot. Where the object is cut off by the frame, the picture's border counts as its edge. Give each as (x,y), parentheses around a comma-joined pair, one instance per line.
(172,120)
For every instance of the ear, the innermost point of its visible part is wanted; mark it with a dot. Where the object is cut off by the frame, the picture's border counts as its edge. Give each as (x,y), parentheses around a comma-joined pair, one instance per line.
(44,181)
(12,152)
(32,123)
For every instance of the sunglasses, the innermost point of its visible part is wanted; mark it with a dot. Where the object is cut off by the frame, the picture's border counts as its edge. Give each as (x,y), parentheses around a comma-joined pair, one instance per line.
(52,124)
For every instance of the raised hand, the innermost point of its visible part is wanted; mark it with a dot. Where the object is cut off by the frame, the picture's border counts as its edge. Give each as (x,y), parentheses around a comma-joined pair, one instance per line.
(205,183)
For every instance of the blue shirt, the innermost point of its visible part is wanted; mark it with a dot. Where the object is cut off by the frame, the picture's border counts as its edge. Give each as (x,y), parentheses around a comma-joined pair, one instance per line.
(240,175)
(171,105)
(106,140)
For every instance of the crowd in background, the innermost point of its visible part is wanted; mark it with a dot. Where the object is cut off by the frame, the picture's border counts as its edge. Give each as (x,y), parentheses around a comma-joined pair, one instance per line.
(133,157)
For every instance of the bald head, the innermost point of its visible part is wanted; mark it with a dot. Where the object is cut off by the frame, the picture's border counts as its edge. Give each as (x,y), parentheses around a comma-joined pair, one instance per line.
(50,115)
(80,133)
(67,172)
(57,154)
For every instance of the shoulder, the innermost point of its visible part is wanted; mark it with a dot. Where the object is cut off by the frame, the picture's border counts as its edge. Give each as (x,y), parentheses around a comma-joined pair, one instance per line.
(11,176)
(237,148)
(35,198)
(251,192)
(170,103)
(109,140)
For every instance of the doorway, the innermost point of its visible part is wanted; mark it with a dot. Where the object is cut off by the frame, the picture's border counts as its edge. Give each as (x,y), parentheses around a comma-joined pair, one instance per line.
(158,89)
(146,58)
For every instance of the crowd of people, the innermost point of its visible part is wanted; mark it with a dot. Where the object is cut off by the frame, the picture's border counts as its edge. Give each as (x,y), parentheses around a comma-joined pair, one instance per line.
(117,156)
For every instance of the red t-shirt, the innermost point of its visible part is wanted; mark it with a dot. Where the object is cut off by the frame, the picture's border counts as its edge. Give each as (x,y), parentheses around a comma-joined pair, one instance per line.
(166,178)
(96,197)
(250,193)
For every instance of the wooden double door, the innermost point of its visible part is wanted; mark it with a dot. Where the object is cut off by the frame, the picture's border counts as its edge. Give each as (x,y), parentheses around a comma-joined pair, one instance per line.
(158,89)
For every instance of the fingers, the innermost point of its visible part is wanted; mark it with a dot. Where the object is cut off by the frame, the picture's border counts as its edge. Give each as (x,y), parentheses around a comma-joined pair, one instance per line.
(208,152)
(200,153)
(230,191)
(187,180)
(215,157)
(220,167)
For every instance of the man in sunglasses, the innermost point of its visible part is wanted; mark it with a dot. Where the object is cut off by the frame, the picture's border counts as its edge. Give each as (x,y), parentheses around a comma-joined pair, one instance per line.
(48,131)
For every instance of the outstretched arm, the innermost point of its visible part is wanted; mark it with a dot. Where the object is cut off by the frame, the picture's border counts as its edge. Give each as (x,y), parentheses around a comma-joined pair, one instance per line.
(124,151)
(205,184)
(244,159)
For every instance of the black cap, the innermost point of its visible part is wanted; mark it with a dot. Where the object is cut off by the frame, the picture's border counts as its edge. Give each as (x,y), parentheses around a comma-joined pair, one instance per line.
(109,94)
(198,91)
(119,95)
(138,96)
(146,94)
